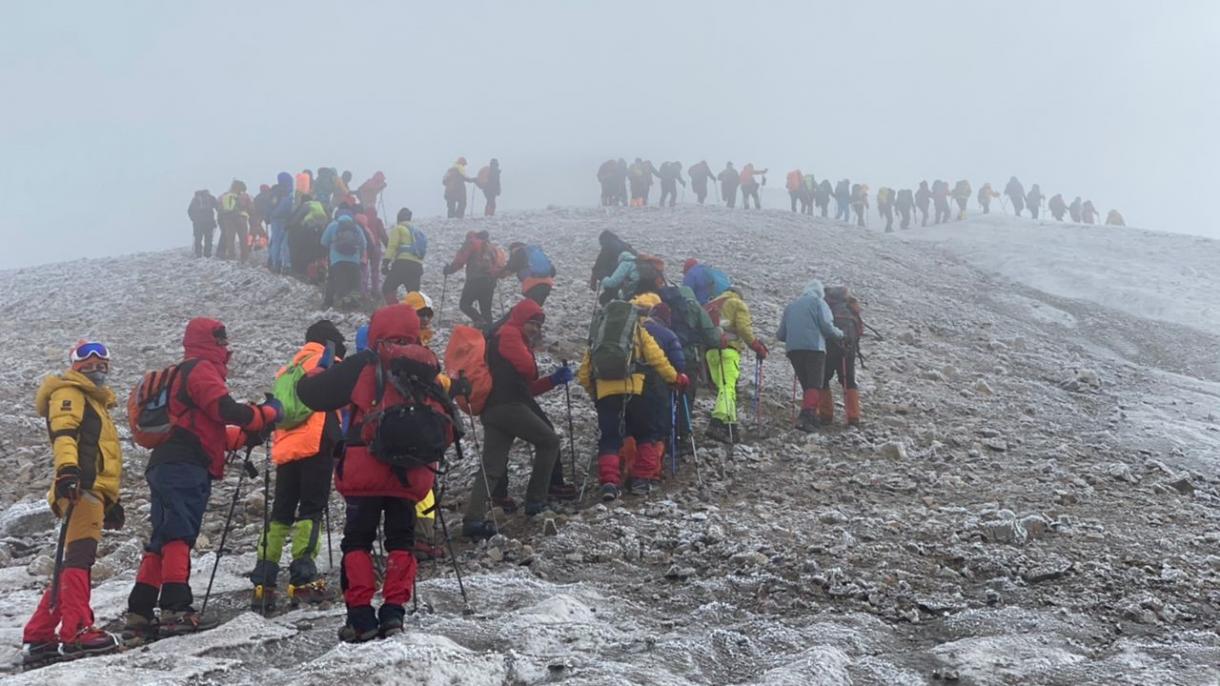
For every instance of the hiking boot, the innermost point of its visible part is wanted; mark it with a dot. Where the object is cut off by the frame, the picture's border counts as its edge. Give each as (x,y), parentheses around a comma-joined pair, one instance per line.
(40,652)
(361,625)
(179,622)
(90,641)
(390,620)
(718,431)
(643,486)
(534,509)
(610,493)
(310,593)
(807,421)
(140,629)
(563,492)
(684,446)
(478,530)
(507,504)
(425,551)
(262,600)
(733,433)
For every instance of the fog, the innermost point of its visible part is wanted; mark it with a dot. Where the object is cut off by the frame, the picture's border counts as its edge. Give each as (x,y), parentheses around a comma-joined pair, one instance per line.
(116,112)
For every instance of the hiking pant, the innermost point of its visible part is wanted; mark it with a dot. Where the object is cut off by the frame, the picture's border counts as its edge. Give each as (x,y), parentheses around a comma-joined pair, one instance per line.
(888,213)
(923,211)
(841,362)
(747,192)
(808,365)
(502,425)
(302,490)
(372,280)
(477,290)
(489,208)
(794,196)
(905,213)
(700,190)
(609,197)
(203,239)
(842,210)
(724,366)
(301,247)
(806,205)
(539,292)
(669,189)
(342,280)
(961,206)
(456,207)
(860,209)
(357,576)
(277,247)
(1018,204)
(986,203)
(729,193)
(942,211)
(71,613)
(620,416)
(179,495)
(402,273)
(1033,211)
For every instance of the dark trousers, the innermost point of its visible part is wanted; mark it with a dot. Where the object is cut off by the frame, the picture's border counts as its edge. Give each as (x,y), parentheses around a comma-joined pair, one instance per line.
(840,362)
(489,209)
(302,488)
(456,207)
(747,192)
(342,280)
(669,189)
(700,190)
(942,211)
(888,212)
(477,290)
(923,212)
(502,426)
(619,416)
(905,212)
(729,193)
(203,240)
(402,273)
(825,208)
(808,366)
(365,513)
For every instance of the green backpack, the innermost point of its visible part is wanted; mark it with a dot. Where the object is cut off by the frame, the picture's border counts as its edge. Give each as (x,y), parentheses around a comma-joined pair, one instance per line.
(296,412)
(612,340)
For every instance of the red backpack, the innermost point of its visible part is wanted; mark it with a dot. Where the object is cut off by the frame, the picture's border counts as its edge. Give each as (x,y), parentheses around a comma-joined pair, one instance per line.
(148,414)
(411,422)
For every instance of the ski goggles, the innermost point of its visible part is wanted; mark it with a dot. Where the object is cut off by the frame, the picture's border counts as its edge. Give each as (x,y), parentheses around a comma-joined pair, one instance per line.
(221,336)
(87,351)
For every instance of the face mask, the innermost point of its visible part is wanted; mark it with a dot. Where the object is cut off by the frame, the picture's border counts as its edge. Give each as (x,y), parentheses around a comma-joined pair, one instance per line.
(98,378)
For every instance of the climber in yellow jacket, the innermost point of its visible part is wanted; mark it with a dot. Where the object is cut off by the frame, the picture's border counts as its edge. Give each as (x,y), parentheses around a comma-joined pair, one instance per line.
(732,315)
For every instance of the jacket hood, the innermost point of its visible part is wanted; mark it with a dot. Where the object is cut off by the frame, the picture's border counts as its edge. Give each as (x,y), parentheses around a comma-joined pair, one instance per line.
(42,398)
(607,238)
(524,311)
(689,264)
(283,180)
(393,321)
(815,288)
(200,341)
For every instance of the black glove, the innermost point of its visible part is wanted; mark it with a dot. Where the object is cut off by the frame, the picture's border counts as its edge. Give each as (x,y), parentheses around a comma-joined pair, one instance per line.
(67,483)
(115,518)
(460,387)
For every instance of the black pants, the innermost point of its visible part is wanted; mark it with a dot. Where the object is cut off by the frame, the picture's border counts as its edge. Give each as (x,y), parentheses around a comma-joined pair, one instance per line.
(203,240)
(365,513)
(402,273)
(700,191)
(942,211)
(986,203)
(825,207)
(906,217)
(729,193)
(342,279)
(888,213)
(456,206)
(794,196)
(539,293)
(809,366)
(302,248)
(923,211)
(841,362)
(478,290)
(747,192)
(806,204)
(302,488)
(669,189)
(1033,211)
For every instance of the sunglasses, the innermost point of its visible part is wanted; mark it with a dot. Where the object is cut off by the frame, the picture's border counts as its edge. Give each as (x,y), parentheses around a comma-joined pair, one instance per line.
(90,350)
(221,336)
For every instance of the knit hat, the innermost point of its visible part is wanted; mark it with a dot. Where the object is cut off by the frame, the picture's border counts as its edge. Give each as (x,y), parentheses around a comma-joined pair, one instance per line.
(689,264)
(661,313)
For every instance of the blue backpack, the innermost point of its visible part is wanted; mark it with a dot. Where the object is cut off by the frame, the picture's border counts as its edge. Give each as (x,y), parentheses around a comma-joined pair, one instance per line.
(539,265)
(419,242)
(720,281)
(349,239)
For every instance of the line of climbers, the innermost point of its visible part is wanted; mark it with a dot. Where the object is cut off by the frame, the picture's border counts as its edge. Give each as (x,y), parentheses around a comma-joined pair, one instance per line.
(381,419)
(626,185)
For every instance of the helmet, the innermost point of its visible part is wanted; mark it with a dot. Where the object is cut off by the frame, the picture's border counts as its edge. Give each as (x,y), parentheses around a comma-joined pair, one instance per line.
(419,301)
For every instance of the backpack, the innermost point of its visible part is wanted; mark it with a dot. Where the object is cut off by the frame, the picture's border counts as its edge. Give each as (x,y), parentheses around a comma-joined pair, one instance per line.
(493,258)
(846,311)
(651,272)
(612,340)
(411,422)
(794,181)
(228,202)
(148,414)
(539,265)
(466,356)
(201,209)
(295,412)
(347,239)
(419,243)
(483,177)
(720,281)
(713,308)
(684,322)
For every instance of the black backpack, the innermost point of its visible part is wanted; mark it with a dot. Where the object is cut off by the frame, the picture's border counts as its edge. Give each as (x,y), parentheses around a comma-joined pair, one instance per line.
(348,239)
(412,423)
(846,311)
(681,321)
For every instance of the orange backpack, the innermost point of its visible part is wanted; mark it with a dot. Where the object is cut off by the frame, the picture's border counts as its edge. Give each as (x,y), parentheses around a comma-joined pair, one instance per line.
(794,180)
(483,177)
(466,356)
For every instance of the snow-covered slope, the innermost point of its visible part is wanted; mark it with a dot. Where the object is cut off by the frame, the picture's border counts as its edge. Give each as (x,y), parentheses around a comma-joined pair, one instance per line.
(1031,500)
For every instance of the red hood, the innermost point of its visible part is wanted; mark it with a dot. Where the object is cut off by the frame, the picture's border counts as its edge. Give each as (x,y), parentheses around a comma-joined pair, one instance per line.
(200,341)
(524,311)
(394,321)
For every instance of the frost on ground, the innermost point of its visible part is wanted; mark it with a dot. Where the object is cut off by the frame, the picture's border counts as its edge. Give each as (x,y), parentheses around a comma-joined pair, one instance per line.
(1032,500)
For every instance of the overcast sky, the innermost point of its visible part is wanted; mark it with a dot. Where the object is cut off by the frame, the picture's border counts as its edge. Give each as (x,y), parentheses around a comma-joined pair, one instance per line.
(116,112)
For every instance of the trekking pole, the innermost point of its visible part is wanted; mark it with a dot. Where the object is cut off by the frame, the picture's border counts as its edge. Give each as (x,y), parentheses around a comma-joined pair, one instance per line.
(762,383)
(330,548)
(491,508)
(567,395)
(673,433)
(693,447)
(757,389)
(875,332)
(59,555)
(246,468)
(266,509)
(440,319)
(440,516)
(794,380)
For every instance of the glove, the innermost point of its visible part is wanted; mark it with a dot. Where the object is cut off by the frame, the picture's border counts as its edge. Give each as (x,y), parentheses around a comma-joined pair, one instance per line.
(759,349)
(385,266)
(67,483)
(266,414)
(682,382)
(562,376)
(460,387)
(115,518)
